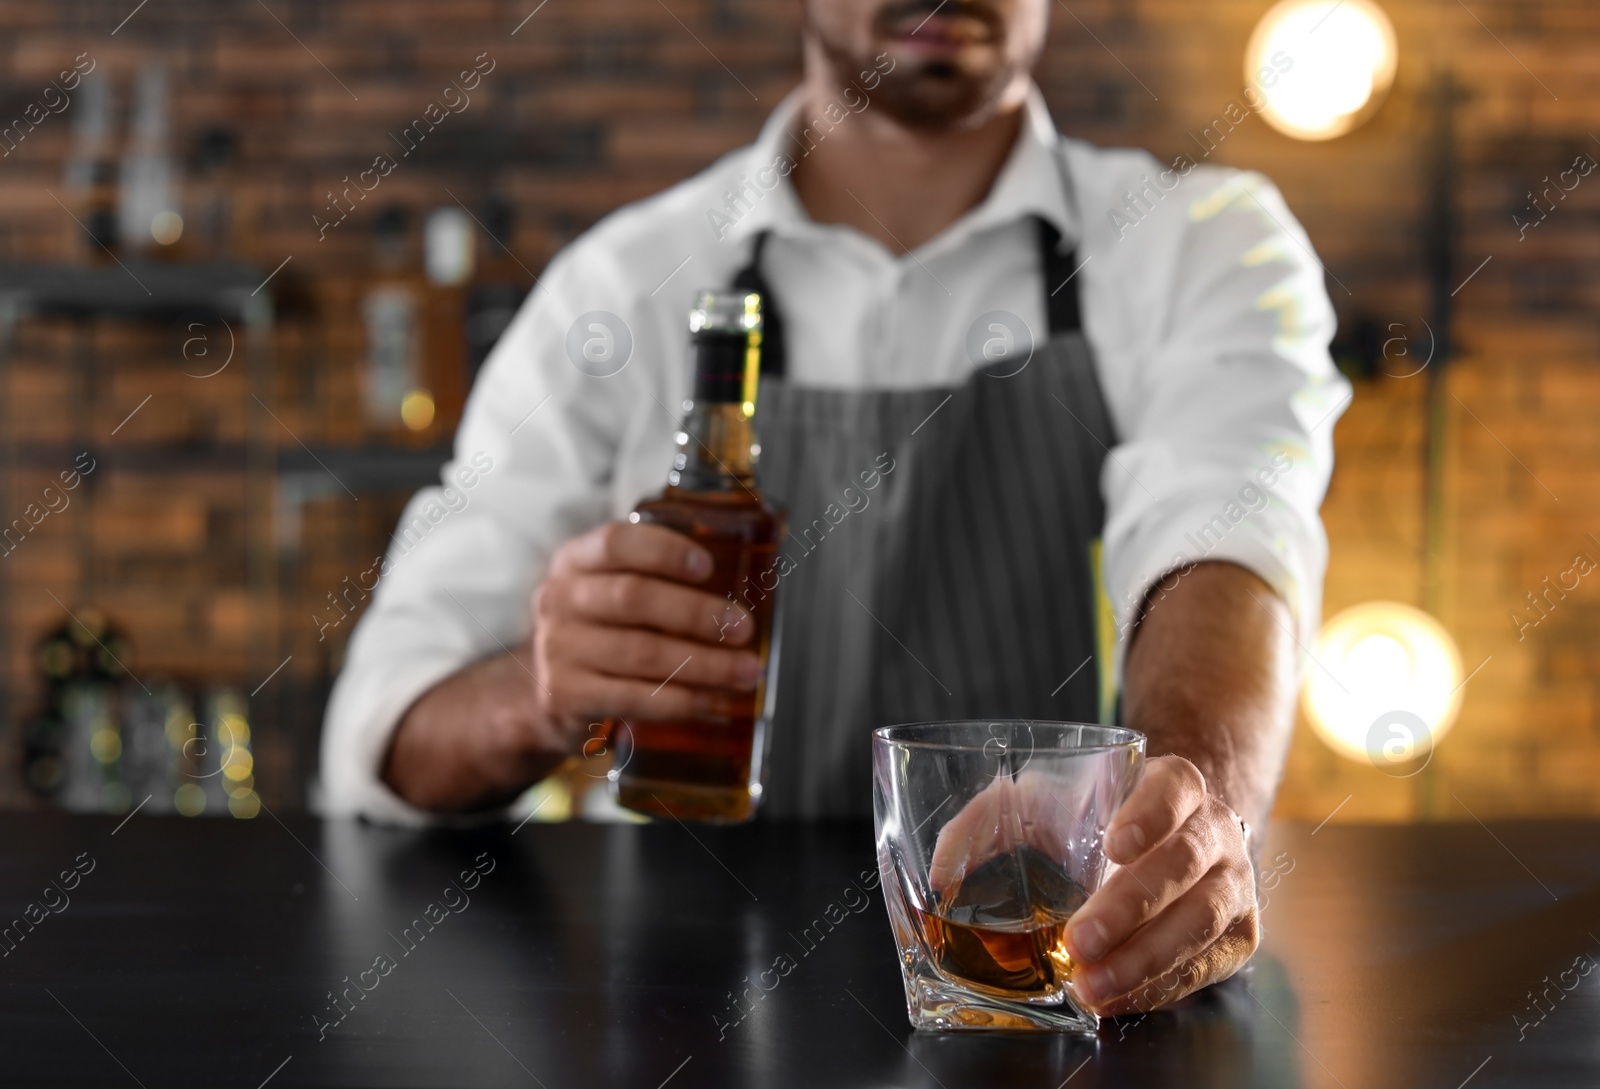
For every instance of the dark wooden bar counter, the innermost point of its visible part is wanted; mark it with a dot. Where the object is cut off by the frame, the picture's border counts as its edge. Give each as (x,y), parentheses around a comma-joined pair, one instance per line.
(221,953)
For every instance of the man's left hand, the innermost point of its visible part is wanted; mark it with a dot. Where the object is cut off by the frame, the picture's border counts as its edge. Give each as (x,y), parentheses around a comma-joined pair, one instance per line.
(1179,913)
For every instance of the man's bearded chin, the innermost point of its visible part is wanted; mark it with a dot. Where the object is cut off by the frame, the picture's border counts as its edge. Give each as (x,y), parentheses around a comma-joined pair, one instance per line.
(927,94)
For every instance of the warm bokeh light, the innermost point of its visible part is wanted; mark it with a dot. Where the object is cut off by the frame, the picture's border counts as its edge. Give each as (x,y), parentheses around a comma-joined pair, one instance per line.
(234,730)
(417,409)
(106,745)
(1385,685)
(166,228)
(239,764)
(1343,55)
(189,799)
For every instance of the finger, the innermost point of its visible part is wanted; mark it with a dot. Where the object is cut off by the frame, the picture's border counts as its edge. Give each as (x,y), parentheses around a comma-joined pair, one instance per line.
(992,822)
(960,838)
(639,547)
(1157,952)
(1005,814)
(643,655)
(1136,893)
(629,600)
(1170,790)
(1215,963)
(579,697)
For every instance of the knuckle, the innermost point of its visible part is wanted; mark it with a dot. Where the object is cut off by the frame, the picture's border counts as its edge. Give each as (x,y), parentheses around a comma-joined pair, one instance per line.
(629,595)
(1190,855)
(1127,911)
(633,652)
(1169,810)
(1217,909)
(1226,826)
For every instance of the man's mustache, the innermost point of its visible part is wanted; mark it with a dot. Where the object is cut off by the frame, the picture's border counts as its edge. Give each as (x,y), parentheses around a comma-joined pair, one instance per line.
(893,15)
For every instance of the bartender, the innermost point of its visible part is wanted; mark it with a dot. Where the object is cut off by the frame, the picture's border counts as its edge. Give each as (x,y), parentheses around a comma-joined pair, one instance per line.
(1139,535)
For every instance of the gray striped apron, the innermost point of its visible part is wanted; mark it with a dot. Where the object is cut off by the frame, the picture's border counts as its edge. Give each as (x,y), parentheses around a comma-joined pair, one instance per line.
(964,582)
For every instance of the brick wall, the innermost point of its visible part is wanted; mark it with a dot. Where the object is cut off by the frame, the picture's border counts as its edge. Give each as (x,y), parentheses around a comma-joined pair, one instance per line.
(595,103)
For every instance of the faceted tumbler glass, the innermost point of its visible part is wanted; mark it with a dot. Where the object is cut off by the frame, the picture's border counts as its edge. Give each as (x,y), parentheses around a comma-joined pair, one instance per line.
(990,834)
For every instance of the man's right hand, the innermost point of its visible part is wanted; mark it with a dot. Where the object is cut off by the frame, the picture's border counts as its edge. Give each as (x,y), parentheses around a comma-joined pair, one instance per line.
(621,629)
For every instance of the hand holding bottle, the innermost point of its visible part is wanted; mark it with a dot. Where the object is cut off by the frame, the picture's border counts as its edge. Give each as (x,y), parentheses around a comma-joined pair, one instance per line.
(657,631)
(621,630)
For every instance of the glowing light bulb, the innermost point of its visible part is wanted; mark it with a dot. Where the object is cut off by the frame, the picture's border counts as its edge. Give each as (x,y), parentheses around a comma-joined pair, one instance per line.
(1342,56)
(1385,685)
(1382,660)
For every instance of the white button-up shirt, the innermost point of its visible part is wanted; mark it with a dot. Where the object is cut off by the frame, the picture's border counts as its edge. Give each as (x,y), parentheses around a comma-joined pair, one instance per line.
(1201,298)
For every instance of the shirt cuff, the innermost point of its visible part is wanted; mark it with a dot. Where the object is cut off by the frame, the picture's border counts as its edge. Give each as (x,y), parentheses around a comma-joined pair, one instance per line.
(365,707)
(1285,553)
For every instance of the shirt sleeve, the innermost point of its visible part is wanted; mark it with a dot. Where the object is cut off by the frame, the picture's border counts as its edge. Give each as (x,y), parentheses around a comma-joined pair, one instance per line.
(1226,447)
(531,468)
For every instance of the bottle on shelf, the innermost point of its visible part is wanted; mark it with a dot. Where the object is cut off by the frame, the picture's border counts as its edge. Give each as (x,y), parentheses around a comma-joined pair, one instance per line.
(449,256)
(213,226)
(392,378)
(90,182)
(73,749)
(713,770)
(148,199)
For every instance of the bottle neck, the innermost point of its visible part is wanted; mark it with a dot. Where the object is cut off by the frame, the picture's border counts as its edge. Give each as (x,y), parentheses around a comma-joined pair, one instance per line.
(717,449)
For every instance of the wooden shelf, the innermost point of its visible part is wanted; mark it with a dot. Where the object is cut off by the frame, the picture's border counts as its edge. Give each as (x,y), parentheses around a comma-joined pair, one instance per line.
(141,289)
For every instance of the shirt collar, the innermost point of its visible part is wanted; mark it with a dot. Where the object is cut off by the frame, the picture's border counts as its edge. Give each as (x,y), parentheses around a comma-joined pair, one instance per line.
(1033,181)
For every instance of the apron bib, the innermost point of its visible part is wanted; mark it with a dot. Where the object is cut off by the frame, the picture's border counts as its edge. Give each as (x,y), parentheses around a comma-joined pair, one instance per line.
(943,557)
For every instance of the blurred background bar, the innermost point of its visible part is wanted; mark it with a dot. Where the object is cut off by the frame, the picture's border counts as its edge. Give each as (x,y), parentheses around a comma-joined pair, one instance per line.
(244,291)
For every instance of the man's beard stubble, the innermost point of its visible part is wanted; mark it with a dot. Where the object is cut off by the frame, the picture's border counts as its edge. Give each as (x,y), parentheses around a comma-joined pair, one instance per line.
(928,94)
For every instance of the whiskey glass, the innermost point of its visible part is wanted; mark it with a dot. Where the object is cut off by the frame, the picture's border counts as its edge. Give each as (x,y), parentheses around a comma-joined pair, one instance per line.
(990,834)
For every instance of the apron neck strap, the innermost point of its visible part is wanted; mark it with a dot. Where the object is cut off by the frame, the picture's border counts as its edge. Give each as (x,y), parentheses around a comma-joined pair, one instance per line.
(774,361)
(1058,268)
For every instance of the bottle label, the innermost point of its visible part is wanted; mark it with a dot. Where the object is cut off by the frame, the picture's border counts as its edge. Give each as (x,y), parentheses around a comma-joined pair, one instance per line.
(719,367)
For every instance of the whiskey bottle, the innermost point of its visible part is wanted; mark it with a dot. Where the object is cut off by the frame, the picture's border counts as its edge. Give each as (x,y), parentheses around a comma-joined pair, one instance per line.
(712,770)
(399,407)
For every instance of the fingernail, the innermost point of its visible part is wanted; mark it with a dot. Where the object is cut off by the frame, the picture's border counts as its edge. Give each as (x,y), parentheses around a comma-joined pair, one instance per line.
(1127,842)
(1101,982)
(698,563)
(749,671)
(1089,938)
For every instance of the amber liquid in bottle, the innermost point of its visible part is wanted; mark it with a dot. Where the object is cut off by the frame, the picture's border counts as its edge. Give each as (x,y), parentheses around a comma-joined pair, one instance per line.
(711,769)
